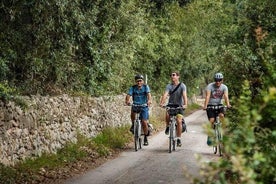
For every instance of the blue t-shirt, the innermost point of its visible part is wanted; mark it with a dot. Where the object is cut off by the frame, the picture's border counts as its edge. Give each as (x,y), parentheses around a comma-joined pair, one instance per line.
(139,96)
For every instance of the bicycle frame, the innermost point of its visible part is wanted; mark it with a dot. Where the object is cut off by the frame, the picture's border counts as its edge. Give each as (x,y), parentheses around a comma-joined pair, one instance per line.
(172,126)
(172,136)
(137,126)
(217,129)
(137,132)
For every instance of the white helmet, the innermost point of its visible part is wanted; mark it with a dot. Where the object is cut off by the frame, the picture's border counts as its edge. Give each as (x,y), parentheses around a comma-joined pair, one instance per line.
(218,76)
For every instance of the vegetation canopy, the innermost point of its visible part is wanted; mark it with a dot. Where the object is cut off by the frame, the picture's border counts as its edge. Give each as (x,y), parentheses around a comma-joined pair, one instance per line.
(96,47)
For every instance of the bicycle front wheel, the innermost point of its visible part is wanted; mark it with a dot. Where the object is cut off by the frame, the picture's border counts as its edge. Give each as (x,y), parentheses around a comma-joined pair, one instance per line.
(220,146)
(137,140)
(216,141)
(171,140)
(170,144)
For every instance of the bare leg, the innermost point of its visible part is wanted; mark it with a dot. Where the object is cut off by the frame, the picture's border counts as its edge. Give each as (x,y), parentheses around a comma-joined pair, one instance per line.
(145,126)
(179,127)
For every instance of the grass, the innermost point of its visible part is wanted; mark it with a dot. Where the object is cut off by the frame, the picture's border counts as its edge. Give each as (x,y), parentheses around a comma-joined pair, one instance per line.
(108,141)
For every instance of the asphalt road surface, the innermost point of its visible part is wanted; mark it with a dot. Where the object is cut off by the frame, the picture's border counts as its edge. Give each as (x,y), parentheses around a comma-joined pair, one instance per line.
(153,164)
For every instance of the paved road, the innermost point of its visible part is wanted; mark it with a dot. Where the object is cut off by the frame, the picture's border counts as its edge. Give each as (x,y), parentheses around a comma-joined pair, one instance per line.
(153,164)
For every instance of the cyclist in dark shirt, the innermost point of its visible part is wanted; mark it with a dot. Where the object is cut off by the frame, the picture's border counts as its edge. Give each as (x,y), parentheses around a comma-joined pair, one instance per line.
(177,98)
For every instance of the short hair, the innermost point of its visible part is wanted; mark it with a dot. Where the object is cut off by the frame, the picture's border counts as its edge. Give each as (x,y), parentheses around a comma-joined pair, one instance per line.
(176,72)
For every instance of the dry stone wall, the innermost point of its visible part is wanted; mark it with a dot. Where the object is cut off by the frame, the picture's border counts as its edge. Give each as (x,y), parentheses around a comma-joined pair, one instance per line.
(48,123)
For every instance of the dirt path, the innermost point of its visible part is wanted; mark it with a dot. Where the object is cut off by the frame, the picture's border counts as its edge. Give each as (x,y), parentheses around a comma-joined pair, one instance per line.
(153,164)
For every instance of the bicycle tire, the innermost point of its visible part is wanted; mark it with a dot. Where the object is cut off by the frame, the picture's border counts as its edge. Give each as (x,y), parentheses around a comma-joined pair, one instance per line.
(140,143)
(170,145)
(220,149)
(220,146)
(171,140)
(136,142)
(216,141)
(136,136)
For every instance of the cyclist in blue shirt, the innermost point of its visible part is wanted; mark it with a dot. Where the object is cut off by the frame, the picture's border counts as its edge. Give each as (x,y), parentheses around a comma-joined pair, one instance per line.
(140,93)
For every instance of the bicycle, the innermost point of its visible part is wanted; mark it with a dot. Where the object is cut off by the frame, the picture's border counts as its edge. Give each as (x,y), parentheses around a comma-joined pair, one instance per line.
(217,146)
(138,132)
(172,111)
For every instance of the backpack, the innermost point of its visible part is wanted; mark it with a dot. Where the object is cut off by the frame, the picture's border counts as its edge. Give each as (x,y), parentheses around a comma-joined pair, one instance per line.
(184,126)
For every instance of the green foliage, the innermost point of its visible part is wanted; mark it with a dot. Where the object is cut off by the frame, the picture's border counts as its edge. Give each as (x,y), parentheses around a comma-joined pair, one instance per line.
(249,146)
(5,91)
(96,48)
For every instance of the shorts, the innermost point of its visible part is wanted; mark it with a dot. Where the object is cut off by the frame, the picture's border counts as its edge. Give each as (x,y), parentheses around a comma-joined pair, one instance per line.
(144,114)
(211,112)
(177,113)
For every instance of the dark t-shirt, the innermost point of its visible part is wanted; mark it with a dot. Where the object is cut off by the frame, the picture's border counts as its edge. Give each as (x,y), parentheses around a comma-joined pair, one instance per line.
(177,97)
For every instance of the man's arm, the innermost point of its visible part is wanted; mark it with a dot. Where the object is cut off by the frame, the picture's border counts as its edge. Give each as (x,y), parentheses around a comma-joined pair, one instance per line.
(149,99)
(127,100)
(207,98)
(163,98)
(185,99)
(226,99)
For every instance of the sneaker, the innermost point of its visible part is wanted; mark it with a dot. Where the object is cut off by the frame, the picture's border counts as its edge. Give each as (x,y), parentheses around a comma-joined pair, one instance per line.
(178,143)
(209,141)
(167,130)
(132,129)
(146,141)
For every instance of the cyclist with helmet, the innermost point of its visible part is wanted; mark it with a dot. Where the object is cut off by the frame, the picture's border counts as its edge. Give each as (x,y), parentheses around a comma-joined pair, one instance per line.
(140,93)
(215,92)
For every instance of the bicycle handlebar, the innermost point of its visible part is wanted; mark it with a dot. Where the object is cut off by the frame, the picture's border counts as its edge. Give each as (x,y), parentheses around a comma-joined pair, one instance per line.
(173,108)
(137,105)
(216,107)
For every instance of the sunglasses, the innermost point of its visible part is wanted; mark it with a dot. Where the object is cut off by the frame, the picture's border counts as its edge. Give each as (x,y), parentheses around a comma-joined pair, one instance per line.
(218,80)
(139,81)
